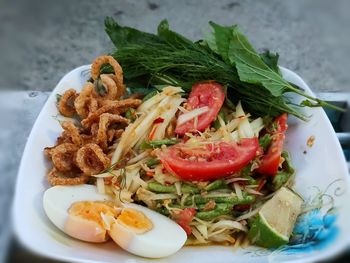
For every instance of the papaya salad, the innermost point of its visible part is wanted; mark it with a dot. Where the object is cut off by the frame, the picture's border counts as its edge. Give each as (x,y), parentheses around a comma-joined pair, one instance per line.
(177,137)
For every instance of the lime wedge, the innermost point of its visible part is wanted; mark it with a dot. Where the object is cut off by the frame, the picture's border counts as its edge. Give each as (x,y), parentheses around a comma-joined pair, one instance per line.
(275,221)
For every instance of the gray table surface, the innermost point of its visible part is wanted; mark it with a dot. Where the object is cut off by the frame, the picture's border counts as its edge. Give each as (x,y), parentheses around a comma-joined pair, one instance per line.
(42,40)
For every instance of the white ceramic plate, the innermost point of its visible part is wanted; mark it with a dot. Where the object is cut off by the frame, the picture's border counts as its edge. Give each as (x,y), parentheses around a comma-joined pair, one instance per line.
(321,175)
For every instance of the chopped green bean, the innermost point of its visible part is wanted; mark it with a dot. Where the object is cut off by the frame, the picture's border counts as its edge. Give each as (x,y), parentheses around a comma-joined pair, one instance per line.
(265,141)
(250,180)
(162,210)
(220,209)
(234,200)
(157,143)
(282,177)
(159,188)
(152,162)
(189,189)
(185,188)
(217,184)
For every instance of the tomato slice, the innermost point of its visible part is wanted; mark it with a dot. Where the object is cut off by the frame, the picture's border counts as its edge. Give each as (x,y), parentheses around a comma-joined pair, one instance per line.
(210,161)
(209,94)
(271,160)
(184,218)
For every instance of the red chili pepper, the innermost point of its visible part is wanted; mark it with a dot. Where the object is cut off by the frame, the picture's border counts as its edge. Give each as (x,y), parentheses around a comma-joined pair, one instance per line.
(150,174)
(158,120)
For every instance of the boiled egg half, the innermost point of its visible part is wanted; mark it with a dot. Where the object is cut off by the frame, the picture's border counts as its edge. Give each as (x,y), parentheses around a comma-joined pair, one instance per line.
(82,213)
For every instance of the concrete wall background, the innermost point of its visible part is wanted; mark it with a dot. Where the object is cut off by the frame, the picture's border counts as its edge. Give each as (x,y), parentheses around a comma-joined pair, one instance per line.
(41,40)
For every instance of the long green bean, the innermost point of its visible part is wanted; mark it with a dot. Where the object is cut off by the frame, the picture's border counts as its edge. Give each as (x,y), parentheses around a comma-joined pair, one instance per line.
(159,188)
(220,209)
(234,200)
(189,189)
(217,184)
(152,162)
(185,188)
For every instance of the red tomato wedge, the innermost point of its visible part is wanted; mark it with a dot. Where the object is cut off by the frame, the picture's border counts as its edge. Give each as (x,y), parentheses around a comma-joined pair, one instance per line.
(184,218)
(210,161)
(208,94)
(271,160)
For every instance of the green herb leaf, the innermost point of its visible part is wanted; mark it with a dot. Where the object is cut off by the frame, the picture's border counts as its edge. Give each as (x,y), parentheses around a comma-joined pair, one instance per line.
(226,57)
(251,68)
(171,37)
(123,36)
(271,60)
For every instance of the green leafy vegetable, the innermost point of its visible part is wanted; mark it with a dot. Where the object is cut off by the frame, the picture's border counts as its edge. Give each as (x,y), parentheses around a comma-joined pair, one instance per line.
(225,56)
(250,66)
(271,60)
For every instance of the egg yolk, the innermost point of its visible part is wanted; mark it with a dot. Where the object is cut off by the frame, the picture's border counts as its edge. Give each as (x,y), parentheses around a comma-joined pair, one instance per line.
(92,210)
(135,221)
(85,220)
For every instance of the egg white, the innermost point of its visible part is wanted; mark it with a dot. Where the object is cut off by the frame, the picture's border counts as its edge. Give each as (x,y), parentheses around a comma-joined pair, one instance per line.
(165,238)
(58,199)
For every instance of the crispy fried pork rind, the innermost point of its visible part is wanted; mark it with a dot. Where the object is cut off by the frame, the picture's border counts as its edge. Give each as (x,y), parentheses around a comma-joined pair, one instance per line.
(102,60)
(91,159)
(111,89)
(66,103)
(114,107)
(106,119)
(56,177)
(62,156)
(85,102)
(73,132)
(87,142)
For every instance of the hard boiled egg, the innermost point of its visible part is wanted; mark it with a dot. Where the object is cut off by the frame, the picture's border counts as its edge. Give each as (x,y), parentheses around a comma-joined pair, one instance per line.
(80,220)
(165,238)
(84,214)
